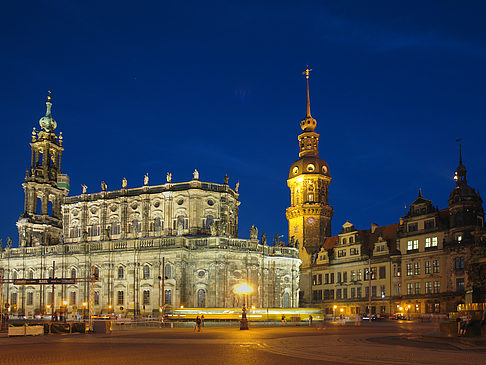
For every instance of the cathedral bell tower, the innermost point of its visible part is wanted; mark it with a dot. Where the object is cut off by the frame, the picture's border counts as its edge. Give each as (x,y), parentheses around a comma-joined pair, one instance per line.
(44,187)
(309,214)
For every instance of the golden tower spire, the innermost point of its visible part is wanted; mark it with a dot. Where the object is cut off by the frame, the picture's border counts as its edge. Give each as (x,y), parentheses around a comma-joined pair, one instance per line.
(306,73)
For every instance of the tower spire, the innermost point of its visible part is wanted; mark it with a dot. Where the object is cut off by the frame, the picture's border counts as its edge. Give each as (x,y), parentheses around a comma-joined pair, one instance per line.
(307,75)
(460,175)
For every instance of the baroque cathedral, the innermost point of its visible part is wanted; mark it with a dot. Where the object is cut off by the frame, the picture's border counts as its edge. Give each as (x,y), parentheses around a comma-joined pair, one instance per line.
(138,250)
(430,261)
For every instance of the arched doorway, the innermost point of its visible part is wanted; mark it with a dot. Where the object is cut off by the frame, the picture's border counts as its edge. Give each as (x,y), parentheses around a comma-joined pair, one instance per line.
(201,298)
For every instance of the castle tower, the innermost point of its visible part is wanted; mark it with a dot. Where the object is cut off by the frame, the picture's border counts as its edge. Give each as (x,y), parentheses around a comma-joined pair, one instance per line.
(44,187)
(465,206)
(309,214)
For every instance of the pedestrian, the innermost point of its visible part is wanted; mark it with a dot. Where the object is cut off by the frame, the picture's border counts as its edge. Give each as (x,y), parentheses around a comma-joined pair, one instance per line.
(283,320)
(196,323)
(310,320)
(357,320)
(458,321)
(202,320)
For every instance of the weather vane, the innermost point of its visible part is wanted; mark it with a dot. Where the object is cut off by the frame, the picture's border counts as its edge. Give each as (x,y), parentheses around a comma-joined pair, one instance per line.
(307,72)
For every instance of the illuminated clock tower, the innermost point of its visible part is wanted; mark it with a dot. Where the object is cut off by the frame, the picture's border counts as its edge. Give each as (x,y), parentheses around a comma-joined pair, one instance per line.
(309,214)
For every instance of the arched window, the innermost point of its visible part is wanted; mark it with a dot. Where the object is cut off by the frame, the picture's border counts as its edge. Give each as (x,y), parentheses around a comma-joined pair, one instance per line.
(15,275)
(51,273)
(146,272)
(344,241)
(351,239)
(73,273)
(39,206)
(168,271)
(286,300)
(201,298)
(158,225)
(96,272)
(49,211)
(168,297)
(121,272)
(31,274)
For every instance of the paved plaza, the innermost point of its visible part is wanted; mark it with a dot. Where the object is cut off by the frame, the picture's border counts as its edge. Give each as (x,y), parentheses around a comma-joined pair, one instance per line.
(375,343)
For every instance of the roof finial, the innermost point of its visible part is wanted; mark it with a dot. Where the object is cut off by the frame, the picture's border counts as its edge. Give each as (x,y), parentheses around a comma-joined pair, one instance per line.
(307,74)
(420,192)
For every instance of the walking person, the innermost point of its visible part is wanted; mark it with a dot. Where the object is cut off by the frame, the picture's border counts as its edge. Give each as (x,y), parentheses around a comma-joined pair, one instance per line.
(202,320)
(283,320)
(310,320)
(196,324)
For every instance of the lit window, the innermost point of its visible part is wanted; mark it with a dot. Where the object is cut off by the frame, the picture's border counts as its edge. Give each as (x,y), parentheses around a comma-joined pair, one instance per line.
(146,272)
(121,272)
(120,297)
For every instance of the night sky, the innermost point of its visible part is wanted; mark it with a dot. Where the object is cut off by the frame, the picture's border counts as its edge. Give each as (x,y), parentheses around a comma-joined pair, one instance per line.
(173,86)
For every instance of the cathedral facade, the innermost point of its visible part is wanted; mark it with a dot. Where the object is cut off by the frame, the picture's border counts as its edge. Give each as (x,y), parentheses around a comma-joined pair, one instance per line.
(136,250)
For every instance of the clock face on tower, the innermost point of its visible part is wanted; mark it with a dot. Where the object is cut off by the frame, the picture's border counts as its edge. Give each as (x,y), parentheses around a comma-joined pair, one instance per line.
(310,221)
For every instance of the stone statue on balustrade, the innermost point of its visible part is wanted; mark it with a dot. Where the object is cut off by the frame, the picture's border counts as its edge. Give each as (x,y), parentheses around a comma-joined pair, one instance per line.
(103,186)
(253,233)
(124,183)
(264,239)
(168,177)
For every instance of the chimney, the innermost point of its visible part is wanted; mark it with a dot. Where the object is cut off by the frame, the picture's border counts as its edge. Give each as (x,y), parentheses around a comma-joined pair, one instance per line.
(373,227)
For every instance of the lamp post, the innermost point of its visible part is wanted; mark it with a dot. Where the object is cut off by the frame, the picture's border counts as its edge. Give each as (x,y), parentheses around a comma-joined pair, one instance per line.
(243,289)
(85,304)
(334,311)
(64,303)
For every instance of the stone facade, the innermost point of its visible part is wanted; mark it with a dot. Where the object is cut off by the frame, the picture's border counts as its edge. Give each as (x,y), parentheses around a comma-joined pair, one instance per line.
(137,250)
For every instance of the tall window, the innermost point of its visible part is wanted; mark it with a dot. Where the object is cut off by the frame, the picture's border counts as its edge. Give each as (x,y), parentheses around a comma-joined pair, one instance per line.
(396,270)
(396,289)
(73,273)
(201,298)
(417,288)
(436,287)
(436,267)
(72,298)
(30,298)
(359,274)
(460,284)
(373,291)
(382,291)
(31,274)
(146,272)
(146,297)
(121,272)
(168,296)
(96,297)
(120,297)
(382,272)
(428,287)
(13,298)
(459,263)
(416,267)
(427,267)
(358,292)
(409,288)
(409,269)
(353,292)
(115,228)
(168,271)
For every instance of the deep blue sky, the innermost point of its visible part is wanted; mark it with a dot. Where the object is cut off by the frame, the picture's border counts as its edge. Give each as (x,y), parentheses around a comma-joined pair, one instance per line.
(172,86)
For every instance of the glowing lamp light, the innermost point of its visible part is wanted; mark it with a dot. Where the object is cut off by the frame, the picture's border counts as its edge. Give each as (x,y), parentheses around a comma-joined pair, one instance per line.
(335,307)
(85,304)
(65,302)
(401,309)
(342,310)
(243,288)
(182,306)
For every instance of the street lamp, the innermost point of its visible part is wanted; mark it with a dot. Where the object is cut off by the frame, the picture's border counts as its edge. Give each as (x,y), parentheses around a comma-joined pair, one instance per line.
(334,311)
(243,289)
(85,304)
(64,303)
